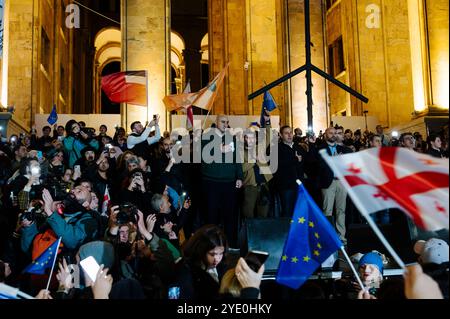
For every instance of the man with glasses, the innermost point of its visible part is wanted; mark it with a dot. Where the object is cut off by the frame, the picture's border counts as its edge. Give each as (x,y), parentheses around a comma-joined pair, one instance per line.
(221,177)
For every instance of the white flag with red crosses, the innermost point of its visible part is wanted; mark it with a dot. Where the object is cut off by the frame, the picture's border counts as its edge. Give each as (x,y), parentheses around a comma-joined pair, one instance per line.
(382,178)
(106,200)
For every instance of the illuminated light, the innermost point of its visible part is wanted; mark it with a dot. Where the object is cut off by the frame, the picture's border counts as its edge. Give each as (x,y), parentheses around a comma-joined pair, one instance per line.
(395,134)
(417,57)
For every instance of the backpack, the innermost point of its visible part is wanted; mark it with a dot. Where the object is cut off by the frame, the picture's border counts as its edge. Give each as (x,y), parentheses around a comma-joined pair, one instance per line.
(42,241)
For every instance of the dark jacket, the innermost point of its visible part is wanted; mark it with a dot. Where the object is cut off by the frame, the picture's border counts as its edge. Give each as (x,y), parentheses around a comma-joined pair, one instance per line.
(289,168)
(436,153)
(177,219)
(326,175)
(221,172)
(139,199)
(196,284)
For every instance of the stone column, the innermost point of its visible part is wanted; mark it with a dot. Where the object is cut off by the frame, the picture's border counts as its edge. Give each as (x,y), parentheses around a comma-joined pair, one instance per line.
(227,29)
(146,46)
(17,61)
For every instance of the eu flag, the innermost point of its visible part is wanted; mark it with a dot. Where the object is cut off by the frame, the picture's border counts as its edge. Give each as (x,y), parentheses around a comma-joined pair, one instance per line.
(53,117)
(310,242)
(268,104)
(45,260)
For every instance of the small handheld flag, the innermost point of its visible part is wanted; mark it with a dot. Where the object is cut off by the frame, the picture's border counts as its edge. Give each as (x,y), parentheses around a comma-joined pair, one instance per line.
(45,260)
(105,203)
(311,240)
(53,117)
(268,105)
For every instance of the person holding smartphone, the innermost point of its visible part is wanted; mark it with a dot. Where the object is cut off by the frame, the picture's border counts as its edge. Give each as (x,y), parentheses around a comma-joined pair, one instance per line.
(242,282)
(75,141)
(201,269)
(221,179)
(139,140)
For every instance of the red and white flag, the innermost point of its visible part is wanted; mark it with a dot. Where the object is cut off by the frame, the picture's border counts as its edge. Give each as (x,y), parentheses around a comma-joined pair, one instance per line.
(126,87)
(382,178)
(106,201)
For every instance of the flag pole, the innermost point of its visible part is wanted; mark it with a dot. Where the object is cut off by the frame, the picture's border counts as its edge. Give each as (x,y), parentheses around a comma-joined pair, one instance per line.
(13,292)
(54,261)
(204,123)
(352,267)
(366,215)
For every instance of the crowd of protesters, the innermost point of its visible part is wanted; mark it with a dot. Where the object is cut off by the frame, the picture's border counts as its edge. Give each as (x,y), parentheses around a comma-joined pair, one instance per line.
(160,227)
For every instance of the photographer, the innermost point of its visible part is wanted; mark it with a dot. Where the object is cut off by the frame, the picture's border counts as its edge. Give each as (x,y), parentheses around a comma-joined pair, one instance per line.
(140,140)
(56,167)
(135,191)
(75,141)
(87,159)
(27,185)
(58,132)
(100,175)
(169,221)
(75,225)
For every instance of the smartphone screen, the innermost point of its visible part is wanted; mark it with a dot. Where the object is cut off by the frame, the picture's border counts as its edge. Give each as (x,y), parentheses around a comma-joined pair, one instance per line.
(39,155)
(174,293)
(255,259)
(91,267)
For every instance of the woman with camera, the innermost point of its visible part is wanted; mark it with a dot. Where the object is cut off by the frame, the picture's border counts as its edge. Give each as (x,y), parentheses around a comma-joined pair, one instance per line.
(135,190)
(76,141)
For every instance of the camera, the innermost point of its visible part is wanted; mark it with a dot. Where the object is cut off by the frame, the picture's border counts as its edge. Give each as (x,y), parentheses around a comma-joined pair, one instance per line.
(127,213)
(57,189)
(33,213)
(88,131)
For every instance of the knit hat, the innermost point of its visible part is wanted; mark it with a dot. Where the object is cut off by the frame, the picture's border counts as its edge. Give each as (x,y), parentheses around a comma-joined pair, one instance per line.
(372,259)
(432,251)
(103,252)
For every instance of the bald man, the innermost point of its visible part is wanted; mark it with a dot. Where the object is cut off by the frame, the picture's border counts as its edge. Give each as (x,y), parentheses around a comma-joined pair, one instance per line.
(333,192)
(221,178)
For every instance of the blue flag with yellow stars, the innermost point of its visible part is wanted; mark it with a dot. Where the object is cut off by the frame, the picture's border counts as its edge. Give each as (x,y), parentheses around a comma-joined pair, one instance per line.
(53,117)
(268,105)
(311,240)
(44,261)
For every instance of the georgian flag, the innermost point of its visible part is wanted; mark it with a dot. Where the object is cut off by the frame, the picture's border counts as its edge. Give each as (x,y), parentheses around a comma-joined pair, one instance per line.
(106,201)
(126,87)
(390,177)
